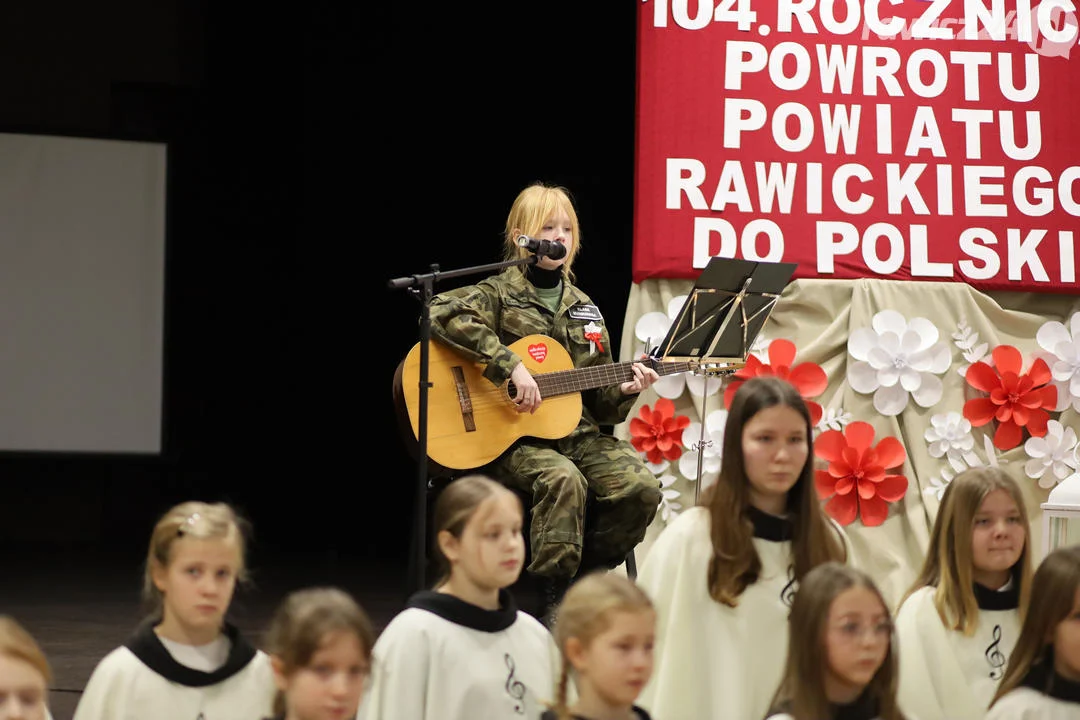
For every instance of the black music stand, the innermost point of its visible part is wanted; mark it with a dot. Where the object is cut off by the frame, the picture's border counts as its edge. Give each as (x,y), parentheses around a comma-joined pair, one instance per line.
(722,316)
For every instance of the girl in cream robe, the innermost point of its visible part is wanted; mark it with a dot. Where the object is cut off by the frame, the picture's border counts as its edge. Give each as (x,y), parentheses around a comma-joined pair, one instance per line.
(723,658)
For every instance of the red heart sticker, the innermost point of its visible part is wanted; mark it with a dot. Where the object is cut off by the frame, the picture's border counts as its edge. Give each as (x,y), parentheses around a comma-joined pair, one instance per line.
(538,352)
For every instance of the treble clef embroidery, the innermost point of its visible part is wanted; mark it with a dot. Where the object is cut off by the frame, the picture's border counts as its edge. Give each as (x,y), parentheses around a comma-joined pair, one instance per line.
(787,595)
(514,687)
(995,657)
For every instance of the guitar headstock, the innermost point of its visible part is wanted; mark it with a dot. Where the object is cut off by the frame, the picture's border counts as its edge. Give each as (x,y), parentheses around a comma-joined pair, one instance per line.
(718,369)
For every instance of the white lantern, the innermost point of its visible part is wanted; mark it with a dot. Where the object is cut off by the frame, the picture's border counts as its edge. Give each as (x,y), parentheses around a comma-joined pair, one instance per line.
(1062,505)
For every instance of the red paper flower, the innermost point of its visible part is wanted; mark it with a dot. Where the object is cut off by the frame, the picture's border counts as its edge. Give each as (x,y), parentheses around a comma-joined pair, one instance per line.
(856,483)
(808,378)
(657,432)
(1017,400)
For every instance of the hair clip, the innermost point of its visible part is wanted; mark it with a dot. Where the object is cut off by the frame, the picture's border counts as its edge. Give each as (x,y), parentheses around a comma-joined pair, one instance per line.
(189,523)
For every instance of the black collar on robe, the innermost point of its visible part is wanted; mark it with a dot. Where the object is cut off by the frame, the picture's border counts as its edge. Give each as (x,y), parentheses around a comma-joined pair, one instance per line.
(147,646)
(864,707)
(1042,678)
(770,527)
(639,713)
(988,599)
(466,614)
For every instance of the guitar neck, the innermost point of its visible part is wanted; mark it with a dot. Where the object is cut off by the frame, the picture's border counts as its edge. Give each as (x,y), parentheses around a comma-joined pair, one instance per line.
(561,382)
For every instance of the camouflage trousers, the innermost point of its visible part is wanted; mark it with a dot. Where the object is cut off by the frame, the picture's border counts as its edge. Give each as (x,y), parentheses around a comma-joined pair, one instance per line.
(559,476)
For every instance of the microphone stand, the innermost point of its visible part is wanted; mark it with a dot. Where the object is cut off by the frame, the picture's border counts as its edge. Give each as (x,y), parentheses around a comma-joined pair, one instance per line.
(422,287)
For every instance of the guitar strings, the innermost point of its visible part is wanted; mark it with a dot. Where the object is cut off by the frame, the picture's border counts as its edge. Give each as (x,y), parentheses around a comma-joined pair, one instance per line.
(552,385)
(484,399)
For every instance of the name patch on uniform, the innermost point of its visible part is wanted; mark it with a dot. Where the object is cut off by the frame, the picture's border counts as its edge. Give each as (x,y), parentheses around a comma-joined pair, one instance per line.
(585,312)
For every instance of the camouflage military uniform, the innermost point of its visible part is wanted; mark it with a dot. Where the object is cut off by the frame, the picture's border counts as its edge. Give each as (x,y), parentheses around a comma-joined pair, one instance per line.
(480,321)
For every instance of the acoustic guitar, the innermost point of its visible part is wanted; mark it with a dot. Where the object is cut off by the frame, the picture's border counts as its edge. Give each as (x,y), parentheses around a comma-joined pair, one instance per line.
(471,421)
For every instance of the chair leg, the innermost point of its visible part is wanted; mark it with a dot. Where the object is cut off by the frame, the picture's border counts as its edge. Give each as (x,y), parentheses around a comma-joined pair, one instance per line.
(631,565)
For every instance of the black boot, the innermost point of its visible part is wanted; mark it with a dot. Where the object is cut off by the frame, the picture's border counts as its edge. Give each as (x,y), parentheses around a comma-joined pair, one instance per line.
(552,590)
(591,562)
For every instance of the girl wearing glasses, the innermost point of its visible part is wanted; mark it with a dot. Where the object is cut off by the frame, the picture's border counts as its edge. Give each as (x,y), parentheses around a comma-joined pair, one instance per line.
(851,672)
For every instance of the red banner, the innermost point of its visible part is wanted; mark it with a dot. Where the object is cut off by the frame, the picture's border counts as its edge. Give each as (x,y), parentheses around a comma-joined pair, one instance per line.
(902,139)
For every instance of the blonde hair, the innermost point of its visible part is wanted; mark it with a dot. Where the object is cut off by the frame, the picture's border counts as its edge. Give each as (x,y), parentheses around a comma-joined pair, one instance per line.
(585,612)
(949,564)
(193,519)
(455,507)
(303,622)
(1053,594)
(735,564)
(17,643)
(802,689)
(533,207)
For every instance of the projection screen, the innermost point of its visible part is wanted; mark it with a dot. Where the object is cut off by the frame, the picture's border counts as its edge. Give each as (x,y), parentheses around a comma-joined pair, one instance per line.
(82,275)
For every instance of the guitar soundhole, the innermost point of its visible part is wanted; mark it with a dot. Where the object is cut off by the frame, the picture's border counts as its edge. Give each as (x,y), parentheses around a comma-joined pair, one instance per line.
(511,390)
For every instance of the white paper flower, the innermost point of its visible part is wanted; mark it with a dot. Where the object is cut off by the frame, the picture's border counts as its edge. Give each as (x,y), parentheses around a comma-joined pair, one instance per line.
(760,347)
(1062,346)
(1053,452)
(669,508)
(937,486)
(650,329)
(896,358)
(970,348)
(992,459)
(655,468)
(949,436)
(711,452)
(833,419)
(963,462)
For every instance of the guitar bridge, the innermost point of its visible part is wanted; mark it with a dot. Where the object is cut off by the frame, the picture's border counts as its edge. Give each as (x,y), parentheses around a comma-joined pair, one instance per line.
(464,399)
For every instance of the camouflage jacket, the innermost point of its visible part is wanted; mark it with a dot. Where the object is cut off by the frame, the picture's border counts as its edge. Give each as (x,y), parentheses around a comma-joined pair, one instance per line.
(481,320)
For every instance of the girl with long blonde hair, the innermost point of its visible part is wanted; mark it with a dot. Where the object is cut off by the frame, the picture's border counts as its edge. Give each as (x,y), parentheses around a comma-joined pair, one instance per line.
(958,623)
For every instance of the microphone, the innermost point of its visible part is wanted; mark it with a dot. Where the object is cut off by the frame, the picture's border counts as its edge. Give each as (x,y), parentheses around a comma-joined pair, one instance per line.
(545,248)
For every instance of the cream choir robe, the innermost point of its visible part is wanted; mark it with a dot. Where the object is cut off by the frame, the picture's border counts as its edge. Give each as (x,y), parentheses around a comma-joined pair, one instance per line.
(1028,704)
(863,707)
(945,675)
(141,680)
(444,659)
(1042,695)
(711,660)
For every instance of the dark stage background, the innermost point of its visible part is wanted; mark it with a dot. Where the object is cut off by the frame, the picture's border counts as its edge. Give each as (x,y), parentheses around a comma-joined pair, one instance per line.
(317,151)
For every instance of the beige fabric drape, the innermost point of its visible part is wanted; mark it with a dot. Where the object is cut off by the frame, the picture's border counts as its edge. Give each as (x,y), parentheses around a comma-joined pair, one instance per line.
(818,316)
